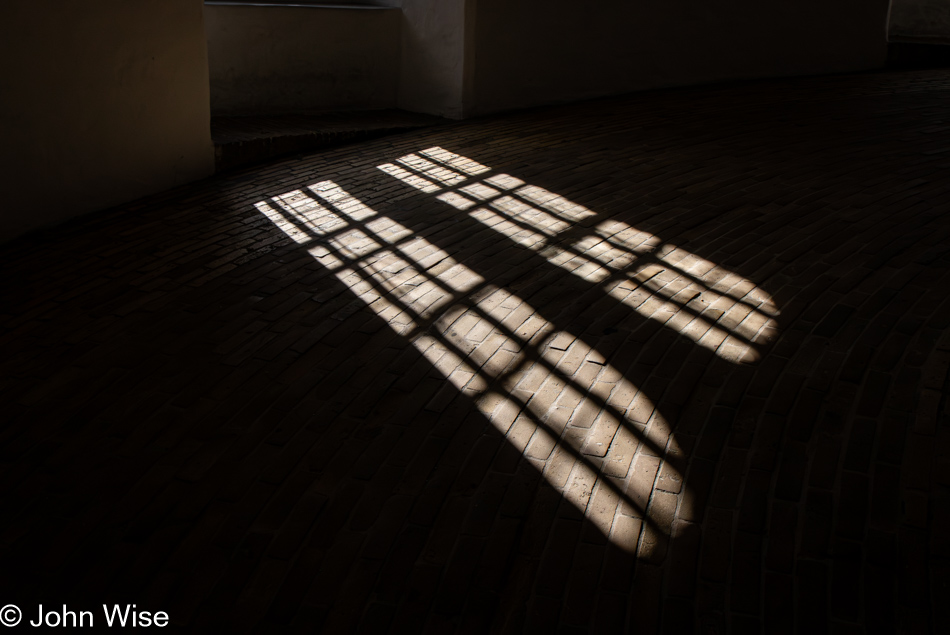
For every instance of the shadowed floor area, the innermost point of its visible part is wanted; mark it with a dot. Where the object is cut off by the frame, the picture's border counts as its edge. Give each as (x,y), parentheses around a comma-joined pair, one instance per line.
(242,141)
(671,362)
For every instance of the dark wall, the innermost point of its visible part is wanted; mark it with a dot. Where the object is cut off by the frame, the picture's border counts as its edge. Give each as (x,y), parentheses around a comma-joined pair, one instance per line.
(101,102)
(920,21)
(532,52)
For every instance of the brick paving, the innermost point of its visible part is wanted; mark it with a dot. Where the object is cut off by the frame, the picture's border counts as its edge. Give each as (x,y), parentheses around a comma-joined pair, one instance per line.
(672,362)
(247,140)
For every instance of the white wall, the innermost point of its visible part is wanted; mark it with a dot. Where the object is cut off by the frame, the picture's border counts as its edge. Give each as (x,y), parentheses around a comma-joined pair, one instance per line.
(437,36)
(920,21)
(414,55)
(271,60)
(531,52)
(101,102)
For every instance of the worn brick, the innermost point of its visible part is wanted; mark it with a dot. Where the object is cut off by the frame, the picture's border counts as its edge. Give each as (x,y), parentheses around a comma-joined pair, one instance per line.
(639,387)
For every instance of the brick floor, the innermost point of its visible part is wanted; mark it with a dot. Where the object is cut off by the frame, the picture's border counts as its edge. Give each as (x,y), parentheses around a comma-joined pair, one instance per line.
(671,362)
(247,140)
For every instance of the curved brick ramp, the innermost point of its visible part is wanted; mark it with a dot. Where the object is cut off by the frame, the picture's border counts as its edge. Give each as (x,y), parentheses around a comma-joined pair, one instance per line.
(670,362)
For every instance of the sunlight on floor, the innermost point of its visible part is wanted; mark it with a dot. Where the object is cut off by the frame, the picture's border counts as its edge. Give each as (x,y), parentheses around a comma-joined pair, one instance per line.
(553,395)
(729,315)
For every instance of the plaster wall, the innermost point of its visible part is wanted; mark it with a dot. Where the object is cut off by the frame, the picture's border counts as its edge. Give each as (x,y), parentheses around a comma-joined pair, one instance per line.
(920,21)
(531,52)
(436,41)
(101,102)
(271,60)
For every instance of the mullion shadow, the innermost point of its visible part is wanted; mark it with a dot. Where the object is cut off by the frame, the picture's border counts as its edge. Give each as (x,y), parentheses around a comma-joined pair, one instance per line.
(575,233)
(497,383)
(435,243)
